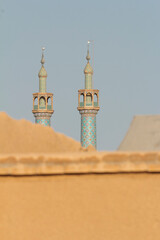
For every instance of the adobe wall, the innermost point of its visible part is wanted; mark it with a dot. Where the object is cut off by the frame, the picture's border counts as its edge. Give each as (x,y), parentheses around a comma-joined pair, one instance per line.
(115,204)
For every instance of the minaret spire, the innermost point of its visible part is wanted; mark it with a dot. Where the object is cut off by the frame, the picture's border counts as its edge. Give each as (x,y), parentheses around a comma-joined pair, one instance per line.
(42,74)
(88,106)
(42,59)
(88,56)
(43,110)
(88,71)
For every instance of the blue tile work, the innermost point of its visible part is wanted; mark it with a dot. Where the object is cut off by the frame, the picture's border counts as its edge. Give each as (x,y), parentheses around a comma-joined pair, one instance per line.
(88,130)
(45,122)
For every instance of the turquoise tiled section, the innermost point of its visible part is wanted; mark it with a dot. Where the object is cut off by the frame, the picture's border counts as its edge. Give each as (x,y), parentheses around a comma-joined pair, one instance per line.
(49,107)
(45,122)
(88,104)
(88,130)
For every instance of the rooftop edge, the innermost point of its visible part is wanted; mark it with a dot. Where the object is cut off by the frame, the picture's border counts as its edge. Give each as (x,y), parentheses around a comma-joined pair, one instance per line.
(83,163)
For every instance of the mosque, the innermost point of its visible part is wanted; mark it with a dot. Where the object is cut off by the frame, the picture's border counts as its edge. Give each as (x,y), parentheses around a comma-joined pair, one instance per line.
(88,104)
(78,194)
(142,135)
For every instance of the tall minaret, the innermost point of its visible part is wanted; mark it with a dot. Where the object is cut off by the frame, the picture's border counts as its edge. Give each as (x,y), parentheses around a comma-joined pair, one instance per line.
(42,101)
(88,106)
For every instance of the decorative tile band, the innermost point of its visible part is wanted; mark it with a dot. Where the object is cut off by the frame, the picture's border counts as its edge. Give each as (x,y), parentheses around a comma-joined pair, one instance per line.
(43,118)
(45,122)
(88,130)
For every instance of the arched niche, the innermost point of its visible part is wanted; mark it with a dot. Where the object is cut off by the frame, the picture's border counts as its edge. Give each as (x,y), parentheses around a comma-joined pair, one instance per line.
(89,99)
(95,100)
(35,103)
(42,102)
(81,100)
(49,103)
(35,100)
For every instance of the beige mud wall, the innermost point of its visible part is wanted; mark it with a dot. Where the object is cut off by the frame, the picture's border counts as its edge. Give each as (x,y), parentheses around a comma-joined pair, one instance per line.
(80,207)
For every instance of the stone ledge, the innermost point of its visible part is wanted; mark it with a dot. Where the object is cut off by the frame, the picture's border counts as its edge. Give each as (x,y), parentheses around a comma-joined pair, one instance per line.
(83,163)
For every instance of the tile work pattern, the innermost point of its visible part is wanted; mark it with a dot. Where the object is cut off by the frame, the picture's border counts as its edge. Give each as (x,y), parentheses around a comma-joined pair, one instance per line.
(88,130)
(45,122)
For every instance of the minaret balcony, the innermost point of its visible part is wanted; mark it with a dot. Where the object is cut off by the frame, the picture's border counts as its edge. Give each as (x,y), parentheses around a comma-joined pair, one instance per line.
(88,99)
(43,102)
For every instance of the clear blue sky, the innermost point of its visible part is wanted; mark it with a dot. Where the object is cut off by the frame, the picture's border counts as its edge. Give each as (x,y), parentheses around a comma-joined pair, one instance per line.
(126,38)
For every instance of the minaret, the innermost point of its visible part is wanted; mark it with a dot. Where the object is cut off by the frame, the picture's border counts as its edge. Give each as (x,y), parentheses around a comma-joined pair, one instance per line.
(88,106)
(42,101)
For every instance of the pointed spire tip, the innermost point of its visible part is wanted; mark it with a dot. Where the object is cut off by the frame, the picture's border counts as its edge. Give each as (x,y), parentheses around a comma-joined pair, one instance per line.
(88,56)
(42,59)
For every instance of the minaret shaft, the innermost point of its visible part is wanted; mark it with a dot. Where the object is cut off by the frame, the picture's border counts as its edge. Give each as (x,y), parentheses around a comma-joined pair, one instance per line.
(88,107)
(42,84)
(88,128)
(88,81)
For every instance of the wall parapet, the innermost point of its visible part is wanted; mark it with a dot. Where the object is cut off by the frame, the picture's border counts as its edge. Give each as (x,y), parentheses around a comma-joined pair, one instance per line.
(79,163)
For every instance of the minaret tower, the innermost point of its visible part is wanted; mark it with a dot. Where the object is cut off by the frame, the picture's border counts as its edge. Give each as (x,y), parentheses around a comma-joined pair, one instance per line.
(42,101)
(88,106)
